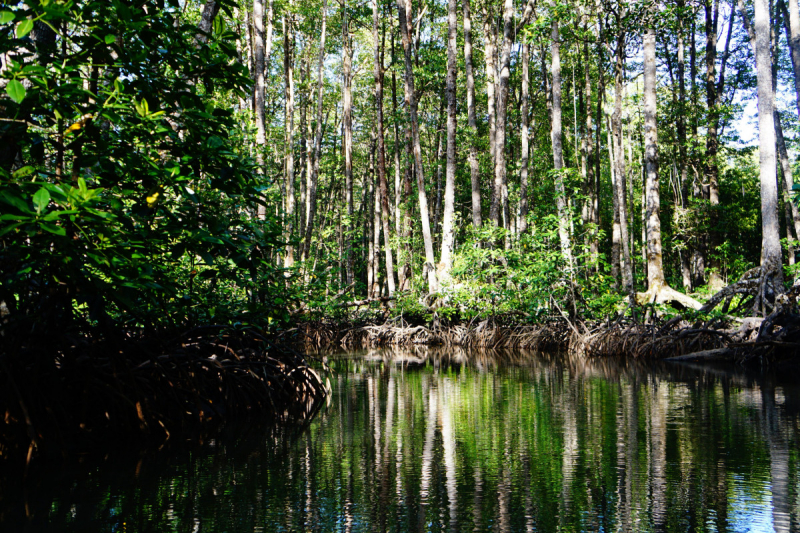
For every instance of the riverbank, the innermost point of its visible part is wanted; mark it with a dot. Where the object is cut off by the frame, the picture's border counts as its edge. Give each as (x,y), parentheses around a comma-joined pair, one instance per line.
(771,340)
(131,385)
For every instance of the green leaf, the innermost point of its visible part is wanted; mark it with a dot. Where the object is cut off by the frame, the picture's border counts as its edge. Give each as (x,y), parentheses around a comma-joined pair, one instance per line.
(6,17)
(82,187)
(16,91)
(58,230)
(24,28)
(12,227)
(110,39)
(27,170)
(40,200)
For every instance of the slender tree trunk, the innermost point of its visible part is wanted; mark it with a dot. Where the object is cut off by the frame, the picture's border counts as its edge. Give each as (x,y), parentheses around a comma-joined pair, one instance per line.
(261,137)
(489,46)
(698,250)
(376,219)
(306,146)
(655,269)
(683,167)
(404,10)
(384,188)
(712,141)
(448,222)
(288,209)
(474,168)
(313,182)
(500,198)
(523,134)
(369,209)
(783,155)
(347,139)
(440,135)
(402,194)
(556,140)
(615,231)
(619,162)
(770,226)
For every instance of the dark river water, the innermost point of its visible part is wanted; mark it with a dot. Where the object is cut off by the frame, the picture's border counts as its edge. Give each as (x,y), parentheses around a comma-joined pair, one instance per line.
(448,441)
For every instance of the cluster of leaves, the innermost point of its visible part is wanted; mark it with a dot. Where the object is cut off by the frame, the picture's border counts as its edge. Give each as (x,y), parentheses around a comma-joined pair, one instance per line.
(123,200)
(528,279)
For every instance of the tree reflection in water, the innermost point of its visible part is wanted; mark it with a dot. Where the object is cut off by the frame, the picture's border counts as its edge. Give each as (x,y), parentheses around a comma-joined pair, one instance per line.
(429,440)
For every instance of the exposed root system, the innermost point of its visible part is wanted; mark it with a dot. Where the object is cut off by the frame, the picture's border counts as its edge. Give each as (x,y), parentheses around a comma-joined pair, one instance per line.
(90,393)
(487,333)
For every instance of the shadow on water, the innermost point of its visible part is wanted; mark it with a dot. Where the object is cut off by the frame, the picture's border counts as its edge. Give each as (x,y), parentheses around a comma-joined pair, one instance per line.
(428,439)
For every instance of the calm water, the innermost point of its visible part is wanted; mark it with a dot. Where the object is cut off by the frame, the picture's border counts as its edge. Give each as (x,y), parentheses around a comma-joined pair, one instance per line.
(420,441)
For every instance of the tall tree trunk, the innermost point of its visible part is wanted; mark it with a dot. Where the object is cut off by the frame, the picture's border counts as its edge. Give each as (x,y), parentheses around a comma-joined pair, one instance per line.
(440,135)
(616,238)
(402,194)
(681,133)
(655,268)
(712,141)
(289,201)
(523,134)
(448,226)
(376,219)
(347,139)
(474,169)
(261,137)
(770,226)
(306,145)
(313,182)
(698,250)
(587,147)
(384,188)
(556,139)
(370,226)
(619,161)
(500,198)
(404,10)
(489,46)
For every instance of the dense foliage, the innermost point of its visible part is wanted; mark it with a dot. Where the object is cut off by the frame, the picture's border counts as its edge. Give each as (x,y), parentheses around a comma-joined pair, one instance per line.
(136,189)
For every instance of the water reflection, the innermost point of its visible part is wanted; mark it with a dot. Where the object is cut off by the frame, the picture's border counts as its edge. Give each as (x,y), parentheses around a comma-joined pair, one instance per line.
(426,440)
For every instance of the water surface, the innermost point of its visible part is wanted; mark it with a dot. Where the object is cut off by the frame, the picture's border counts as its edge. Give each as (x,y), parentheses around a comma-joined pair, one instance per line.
(449,441)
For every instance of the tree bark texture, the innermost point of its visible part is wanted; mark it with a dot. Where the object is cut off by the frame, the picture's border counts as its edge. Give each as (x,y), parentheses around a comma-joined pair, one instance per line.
(655,269)
(770,226)
(474,168)
(448,222)
(381,148)
(524,134)
(404,11)
(556,140)
(347,139)
(289,200)
(313,182)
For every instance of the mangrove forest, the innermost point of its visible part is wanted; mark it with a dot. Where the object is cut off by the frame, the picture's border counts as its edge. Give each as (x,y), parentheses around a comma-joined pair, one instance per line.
(446,264)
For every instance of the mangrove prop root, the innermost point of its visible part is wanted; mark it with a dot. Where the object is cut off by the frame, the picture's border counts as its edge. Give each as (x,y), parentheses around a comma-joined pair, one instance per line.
(97,390)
